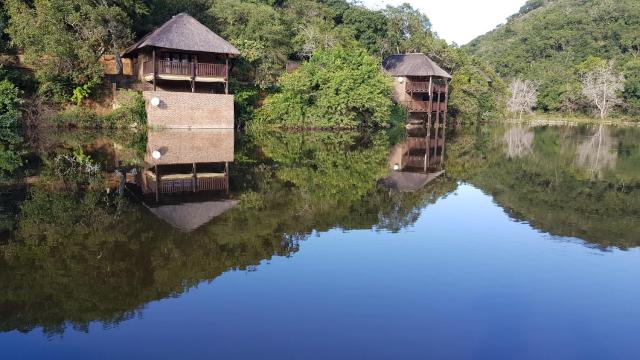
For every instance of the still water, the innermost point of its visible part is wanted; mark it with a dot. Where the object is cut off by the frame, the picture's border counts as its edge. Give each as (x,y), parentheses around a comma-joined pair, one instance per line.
(325,245)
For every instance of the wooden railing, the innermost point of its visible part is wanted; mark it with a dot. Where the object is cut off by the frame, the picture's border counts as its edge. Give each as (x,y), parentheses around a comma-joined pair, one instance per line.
(165,67)
(423,87)
(172,186)
(211,70)
(175,68)
(213,183)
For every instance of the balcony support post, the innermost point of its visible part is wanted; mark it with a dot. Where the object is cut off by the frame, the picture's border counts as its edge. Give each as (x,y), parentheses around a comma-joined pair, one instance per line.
(157,183)
(155,70)
(226,76)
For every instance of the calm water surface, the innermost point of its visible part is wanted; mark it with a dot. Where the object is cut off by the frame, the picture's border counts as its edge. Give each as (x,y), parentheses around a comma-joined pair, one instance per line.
(527,247)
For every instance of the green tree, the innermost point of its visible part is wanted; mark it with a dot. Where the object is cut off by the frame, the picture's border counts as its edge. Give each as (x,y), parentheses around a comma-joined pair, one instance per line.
(336,88)
(64,39)
(10,101)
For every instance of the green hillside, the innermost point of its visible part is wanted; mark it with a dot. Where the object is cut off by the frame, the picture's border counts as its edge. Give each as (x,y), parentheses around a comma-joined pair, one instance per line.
(552,41)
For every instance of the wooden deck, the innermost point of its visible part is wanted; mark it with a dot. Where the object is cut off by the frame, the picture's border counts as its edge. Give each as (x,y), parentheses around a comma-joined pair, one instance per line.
(181,70)
(425,106)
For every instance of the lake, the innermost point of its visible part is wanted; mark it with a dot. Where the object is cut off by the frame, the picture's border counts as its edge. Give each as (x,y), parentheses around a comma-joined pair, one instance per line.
(484,241)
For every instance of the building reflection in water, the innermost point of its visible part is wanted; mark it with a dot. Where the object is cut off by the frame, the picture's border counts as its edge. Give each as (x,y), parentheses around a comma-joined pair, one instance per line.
(185,176)
(418,159)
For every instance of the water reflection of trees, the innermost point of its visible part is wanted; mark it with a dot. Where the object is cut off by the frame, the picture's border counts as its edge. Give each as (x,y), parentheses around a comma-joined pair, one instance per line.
(548,189)
(82,256)
(596,153)
(519,140)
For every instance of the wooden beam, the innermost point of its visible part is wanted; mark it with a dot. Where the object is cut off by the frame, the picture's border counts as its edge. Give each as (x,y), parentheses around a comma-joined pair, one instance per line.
(226,78)
(193,77)
(446,101)
(226,176)
(194,179)
(155,70)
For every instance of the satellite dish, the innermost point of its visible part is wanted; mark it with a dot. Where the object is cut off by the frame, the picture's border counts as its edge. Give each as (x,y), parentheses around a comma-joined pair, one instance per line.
(401,79)
(155,101)
(396,167)
(156,154)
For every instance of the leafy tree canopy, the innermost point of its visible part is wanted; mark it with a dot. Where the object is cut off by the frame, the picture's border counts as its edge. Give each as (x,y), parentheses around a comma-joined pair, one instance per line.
(337,88)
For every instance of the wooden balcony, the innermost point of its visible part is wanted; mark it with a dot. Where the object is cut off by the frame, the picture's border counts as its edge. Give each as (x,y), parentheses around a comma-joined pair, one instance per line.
(181,70)
(423,87)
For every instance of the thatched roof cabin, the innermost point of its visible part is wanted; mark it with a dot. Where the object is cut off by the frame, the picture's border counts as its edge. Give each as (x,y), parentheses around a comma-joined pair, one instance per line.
(182,50)
(420,84)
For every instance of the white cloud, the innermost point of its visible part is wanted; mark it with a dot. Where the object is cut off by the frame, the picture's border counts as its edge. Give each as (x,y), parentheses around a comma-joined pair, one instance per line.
(459,21)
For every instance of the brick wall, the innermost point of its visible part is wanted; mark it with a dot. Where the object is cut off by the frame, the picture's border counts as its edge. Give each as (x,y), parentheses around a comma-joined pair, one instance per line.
(190,110)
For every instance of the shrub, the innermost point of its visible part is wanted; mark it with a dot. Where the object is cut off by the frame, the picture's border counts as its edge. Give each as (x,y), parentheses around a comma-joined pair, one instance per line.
(10,101)
(335,89)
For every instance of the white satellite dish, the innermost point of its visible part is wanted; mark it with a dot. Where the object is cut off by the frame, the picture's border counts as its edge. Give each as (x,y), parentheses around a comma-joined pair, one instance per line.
(155,101)
(156,154)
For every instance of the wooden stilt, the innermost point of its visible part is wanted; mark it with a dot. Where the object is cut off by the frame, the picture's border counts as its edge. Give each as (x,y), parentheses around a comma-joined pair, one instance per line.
(426,160)
(193,77)
(437,127)
(226,78)
(157,183)
(226,176)
(444,125)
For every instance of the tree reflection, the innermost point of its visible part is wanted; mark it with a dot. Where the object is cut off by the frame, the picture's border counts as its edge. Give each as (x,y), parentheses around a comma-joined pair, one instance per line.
(596,154)
(547,188)
(81,255)
(519,140)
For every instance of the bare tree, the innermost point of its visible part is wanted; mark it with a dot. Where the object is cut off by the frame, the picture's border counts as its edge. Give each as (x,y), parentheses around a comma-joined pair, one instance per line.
(524,96)
(314,38)
(601,87)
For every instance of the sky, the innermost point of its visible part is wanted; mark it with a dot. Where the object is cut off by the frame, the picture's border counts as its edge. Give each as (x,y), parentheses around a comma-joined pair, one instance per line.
(459,21)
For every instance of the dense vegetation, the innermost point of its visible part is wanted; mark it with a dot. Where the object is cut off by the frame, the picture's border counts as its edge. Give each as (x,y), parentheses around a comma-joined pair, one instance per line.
(335,88)
(556,41)
(62,40)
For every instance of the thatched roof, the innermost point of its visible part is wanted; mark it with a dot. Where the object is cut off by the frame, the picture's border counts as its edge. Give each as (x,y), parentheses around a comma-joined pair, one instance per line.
(413,65)
(181,146)
(183,32)
(190,216)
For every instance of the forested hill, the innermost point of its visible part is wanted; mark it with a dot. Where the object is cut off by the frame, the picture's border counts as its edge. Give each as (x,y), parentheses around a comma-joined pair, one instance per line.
(553,40)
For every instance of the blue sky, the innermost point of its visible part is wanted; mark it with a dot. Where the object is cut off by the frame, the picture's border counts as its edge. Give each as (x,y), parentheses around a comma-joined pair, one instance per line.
(459,21)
